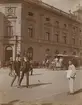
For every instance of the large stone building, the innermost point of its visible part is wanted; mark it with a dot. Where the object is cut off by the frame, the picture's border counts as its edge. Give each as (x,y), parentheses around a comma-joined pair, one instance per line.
(40,28)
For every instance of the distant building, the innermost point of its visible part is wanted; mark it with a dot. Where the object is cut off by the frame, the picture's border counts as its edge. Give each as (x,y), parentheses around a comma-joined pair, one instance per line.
(39,28)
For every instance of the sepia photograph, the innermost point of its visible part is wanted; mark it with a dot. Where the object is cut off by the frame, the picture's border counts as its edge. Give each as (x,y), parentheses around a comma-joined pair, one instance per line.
(40,52)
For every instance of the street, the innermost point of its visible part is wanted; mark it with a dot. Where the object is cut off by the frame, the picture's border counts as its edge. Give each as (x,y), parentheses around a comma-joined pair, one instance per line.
(43,83)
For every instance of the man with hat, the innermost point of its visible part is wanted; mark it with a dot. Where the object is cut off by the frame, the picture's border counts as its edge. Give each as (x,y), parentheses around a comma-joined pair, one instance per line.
(25,70)
(16,66)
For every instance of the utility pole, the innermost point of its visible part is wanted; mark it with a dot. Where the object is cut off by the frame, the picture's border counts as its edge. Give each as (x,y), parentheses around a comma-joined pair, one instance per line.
(16,42)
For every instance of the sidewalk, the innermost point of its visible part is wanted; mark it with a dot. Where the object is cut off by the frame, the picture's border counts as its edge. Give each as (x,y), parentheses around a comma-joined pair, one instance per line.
(61,99)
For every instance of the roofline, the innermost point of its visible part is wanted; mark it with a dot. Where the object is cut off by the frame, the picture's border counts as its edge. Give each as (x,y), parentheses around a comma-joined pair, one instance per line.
(47,7)
(54,9)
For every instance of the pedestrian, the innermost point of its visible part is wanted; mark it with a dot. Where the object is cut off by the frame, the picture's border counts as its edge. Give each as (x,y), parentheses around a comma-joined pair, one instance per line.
(61,62)
(71,74)
(47,63)
(10,66)
(25,70)
(43,64)
(55,62)
(58,65)
(56,59)
(16,66)
(31,67)
(53,65)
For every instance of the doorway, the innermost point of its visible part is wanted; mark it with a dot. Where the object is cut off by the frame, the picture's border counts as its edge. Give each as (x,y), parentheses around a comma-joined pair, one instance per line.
(8,53)
(30,52)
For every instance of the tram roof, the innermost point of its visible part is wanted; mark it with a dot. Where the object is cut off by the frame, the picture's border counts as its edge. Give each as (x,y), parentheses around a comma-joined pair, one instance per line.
(64,55)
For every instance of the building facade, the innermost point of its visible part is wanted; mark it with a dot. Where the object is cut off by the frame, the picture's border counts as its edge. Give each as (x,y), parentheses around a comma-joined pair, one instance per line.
(40,29)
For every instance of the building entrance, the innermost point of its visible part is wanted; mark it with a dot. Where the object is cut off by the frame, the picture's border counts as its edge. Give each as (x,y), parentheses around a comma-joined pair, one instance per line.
(8,53)
(30,53)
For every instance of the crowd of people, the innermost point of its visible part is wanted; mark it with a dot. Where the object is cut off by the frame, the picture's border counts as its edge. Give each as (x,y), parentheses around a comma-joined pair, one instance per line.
(53,64)
(20,67)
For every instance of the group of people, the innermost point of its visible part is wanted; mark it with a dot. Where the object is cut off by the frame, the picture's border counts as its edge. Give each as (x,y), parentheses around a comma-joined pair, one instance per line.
(24,65)
(54,64)
(20,67)
(71,72)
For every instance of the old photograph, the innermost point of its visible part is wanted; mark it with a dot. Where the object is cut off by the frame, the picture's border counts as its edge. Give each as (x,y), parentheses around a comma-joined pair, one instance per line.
(40,52)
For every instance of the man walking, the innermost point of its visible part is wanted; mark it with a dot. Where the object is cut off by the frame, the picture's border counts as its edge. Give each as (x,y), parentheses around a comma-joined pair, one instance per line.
(71,74)
(11,66)
(25,70)
(16,66)
(31,67)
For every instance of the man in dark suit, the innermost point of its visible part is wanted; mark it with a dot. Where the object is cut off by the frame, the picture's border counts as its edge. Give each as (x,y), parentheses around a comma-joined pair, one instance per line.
(31,67)
(25,70)
(16,66)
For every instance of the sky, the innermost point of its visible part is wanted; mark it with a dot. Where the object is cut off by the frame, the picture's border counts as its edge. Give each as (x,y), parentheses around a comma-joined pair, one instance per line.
(64,5)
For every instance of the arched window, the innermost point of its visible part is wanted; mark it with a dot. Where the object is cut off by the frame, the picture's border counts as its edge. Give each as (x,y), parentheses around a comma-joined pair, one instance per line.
(74,53)
(47,50)
(30,52)
(64,52)
(30,31)
(65,26)
(30,49)
(56,52)
(47,53)
(57,23)
(8,53)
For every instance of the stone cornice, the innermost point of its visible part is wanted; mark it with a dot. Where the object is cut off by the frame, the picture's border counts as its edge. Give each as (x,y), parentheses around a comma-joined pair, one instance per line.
(54,10)
(45,6)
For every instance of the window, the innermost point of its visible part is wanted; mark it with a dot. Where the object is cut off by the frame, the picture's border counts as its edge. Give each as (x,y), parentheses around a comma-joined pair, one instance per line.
(80,42)
(47,50)
(47,36)
(30,53)
(80,30)
(30,14)
(65,26)
(57,38)
(74,53)
(56,52)
(10,30)
(64,52)
(64,39)
(57,23)
(47,19)
(81,54)
(30,32)
(47,53)
(73,40)
(74,29)
(10,11)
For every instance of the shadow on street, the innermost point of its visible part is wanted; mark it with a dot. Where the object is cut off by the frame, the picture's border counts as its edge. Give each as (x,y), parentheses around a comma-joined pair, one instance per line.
(77,92)
(36,74)
(35,85)
(11,102)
